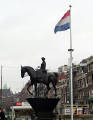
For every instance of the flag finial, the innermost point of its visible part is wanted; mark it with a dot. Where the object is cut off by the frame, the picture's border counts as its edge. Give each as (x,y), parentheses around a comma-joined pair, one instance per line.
(70,6)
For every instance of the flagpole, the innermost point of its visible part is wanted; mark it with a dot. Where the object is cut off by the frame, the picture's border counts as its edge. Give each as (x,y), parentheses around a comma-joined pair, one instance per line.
(71,72)
(63,25)
(1,86)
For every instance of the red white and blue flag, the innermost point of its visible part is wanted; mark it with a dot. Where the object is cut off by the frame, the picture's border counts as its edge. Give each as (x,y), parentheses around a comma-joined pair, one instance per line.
(64,23)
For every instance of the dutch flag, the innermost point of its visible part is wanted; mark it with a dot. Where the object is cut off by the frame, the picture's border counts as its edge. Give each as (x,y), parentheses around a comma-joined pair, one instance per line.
(64,23)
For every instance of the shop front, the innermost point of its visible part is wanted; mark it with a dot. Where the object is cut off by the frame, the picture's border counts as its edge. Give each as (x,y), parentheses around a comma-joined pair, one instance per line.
(21,112)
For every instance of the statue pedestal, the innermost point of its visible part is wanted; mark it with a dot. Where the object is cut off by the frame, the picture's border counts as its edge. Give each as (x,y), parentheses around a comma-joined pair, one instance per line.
(43,107)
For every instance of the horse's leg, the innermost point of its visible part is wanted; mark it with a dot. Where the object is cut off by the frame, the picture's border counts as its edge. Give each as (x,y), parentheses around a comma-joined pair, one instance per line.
(48,88)
(35,89)
(54,85)
(28,89)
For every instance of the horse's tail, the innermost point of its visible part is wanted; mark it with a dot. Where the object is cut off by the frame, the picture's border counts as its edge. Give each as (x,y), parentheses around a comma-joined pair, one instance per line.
(56,75)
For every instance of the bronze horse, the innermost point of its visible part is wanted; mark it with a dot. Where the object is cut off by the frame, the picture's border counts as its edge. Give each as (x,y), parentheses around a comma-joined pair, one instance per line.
(37,77)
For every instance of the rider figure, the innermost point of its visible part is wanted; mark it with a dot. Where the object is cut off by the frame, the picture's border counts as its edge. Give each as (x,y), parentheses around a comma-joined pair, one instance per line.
(43,65)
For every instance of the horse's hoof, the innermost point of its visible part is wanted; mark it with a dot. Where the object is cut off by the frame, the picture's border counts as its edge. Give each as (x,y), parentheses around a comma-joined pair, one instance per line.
(31,93)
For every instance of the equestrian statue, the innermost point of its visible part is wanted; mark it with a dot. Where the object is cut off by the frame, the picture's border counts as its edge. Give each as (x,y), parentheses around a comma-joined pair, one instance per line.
(40,76)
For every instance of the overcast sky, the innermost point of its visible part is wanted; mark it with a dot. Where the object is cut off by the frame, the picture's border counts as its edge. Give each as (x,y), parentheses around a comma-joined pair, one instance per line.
(27,34)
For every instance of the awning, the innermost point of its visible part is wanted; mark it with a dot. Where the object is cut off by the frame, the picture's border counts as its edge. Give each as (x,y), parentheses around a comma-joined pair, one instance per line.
(20,107)
(90,99)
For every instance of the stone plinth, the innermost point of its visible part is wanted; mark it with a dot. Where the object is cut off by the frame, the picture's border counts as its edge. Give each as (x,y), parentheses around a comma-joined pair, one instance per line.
(43,107)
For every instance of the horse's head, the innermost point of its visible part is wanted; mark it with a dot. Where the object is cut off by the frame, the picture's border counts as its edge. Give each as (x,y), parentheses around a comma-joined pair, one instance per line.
(22,71)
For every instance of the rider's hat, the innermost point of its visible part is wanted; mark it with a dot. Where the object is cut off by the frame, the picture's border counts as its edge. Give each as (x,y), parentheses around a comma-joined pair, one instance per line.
(43,58)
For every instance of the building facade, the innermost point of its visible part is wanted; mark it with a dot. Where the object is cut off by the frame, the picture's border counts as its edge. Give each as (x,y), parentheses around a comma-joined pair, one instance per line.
(82,82)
